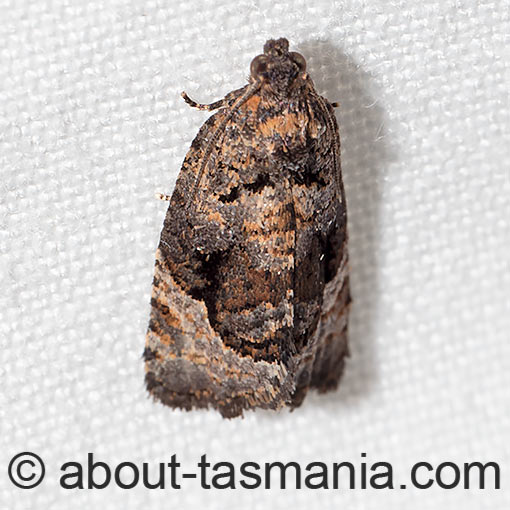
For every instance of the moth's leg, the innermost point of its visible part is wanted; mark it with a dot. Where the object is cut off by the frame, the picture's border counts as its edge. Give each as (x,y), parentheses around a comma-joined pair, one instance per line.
(336,104)
(201,106)
(162,196)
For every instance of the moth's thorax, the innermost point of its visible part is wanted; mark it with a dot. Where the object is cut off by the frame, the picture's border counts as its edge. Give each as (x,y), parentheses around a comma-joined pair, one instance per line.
(283,126)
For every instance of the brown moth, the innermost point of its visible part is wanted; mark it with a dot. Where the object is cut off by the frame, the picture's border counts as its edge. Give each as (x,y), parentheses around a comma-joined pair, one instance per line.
(250,295)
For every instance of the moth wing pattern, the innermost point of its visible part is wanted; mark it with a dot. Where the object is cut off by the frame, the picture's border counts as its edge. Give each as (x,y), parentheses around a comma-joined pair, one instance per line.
(322,292)
(250,294)
(187,363)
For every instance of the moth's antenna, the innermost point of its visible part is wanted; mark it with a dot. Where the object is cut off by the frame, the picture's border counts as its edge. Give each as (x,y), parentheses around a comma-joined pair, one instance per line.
(211,143)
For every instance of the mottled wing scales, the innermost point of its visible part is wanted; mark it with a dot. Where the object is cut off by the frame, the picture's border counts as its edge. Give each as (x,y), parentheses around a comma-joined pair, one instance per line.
(253,301)
(230,265)
(188,365)
(251,291)
(322,283)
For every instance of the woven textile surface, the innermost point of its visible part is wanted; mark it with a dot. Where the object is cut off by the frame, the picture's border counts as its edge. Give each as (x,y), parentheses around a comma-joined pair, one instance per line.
(92,126)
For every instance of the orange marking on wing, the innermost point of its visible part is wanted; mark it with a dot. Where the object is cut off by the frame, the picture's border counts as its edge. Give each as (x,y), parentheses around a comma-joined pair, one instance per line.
(284,125)
(252,103)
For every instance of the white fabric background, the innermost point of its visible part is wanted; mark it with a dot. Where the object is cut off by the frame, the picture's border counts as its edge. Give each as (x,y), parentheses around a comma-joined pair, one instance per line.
(92,125)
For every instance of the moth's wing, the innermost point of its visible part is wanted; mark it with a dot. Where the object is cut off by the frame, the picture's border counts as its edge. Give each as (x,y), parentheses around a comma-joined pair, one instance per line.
(332,347)
(322,281)
(213,285)
(187,363)
(333,343)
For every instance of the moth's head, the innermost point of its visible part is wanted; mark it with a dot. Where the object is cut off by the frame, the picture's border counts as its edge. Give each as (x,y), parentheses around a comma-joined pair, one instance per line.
(279,69)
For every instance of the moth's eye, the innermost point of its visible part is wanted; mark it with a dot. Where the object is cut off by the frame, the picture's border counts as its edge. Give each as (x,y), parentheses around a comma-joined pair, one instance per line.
(299,60)
(258,66)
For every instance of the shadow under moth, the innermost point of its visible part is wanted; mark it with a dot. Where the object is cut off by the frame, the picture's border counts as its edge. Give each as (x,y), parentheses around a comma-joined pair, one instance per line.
(250,296)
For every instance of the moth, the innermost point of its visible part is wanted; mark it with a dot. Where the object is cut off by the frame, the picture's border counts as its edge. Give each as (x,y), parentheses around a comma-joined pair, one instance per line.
(250,295)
